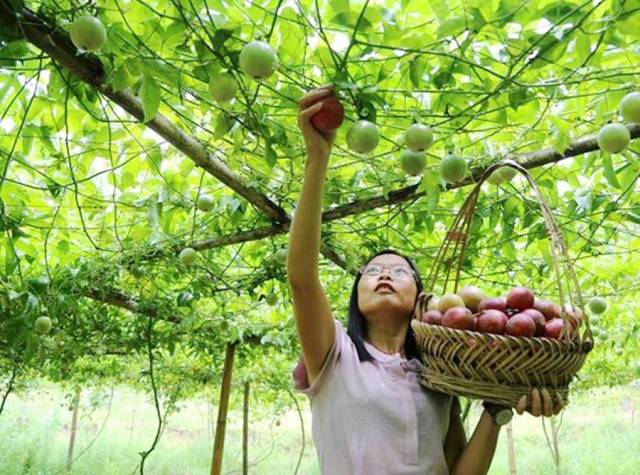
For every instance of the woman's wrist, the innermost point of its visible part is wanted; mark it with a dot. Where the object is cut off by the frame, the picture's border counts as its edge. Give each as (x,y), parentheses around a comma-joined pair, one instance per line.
(498,413)
(317,157)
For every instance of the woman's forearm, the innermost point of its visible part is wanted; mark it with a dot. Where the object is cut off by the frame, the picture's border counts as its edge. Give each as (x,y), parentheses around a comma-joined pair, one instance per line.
(304,236)
(477,454)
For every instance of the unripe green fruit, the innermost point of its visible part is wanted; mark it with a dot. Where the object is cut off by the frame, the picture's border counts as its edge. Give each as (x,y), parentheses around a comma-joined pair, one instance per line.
(258,60)
(630,107)
(502,175)
(222,87)
(187,256)
(88,33)
(39,284)
(137,271)
(42,325)
(184,299)
(363,136)
(418,137)
(281,256)
(413,163)
(272,299)
(613,138)
(453,168)
(597,305)
(205,203)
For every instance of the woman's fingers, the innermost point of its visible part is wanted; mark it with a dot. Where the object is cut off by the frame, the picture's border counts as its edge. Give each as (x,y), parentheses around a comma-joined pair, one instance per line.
(316,94)
(536,403)
(542,404)
(547,403)
(307,113)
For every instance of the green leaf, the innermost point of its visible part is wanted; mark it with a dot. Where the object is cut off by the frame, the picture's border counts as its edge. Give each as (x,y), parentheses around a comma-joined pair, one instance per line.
(452,26)
(633,217)
(120,78)
(416,70)
(430,184)
(10,258)
(583,46)
(150,96)
(340,6)
(442,79)
(519,96)
(629,174)
(608,171)
(220,37)
(155,159)
(270,155)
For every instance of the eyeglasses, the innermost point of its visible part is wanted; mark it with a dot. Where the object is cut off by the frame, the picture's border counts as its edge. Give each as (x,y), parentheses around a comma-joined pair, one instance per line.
(396,271)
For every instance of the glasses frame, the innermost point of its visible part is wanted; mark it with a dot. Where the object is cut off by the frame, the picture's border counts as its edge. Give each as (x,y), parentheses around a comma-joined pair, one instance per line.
(361,270)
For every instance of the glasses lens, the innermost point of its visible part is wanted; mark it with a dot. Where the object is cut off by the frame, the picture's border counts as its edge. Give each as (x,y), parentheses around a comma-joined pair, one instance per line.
(401,272)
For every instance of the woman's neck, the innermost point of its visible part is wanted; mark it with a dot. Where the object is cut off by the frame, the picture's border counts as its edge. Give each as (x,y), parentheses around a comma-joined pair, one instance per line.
(388,339)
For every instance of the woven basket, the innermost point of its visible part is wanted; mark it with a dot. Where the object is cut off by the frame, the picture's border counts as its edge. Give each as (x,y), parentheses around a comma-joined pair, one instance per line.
(492,367)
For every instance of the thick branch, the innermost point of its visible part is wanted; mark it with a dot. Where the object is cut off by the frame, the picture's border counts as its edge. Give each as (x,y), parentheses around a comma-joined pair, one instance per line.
(120,299)
(56,43)
(528,160)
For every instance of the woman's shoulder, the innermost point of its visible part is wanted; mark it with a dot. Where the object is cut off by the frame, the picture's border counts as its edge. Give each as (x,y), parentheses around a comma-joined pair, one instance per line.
(342,350)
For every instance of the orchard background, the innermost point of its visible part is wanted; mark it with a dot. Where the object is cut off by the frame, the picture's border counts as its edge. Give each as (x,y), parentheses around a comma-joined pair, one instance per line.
(104,155)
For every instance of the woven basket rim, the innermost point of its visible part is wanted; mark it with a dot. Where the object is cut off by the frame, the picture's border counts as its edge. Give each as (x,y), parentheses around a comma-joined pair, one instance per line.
(514,342)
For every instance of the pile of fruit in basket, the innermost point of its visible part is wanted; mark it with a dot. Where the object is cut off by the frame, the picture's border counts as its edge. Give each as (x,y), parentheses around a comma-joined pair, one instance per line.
(520,313)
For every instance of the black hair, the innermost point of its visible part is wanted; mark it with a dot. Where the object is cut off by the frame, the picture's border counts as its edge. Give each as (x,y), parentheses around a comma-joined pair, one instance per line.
(356,325)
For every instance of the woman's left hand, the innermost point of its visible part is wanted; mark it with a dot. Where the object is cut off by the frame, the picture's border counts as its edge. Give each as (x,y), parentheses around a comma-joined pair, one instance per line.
(540,403)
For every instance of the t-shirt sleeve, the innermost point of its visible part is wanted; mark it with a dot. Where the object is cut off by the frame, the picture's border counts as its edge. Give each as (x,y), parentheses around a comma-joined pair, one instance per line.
(301,384)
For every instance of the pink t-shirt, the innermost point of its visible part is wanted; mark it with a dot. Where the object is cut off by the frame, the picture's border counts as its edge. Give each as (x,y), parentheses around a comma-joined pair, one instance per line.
(373,417)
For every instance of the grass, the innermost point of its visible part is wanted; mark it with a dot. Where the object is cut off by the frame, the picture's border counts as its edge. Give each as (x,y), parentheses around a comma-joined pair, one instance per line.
(596,437)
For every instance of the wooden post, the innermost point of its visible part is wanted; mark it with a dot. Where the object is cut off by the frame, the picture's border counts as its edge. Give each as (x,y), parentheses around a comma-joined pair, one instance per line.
(512,452)
(221,425)
(74,425)
(245,431)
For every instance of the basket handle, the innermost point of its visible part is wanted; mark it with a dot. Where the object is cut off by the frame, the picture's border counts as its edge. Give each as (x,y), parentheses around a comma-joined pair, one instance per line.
(421,304)
(459,231)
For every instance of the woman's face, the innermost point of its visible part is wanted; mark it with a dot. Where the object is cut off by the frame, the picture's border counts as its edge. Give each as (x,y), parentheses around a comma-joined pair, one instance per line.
(397,299)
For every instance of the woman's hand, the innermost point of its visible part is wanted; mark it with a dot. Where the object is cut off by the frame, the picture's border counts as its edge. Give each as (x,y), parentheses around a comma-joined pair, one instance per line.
(318,143)
(541,403)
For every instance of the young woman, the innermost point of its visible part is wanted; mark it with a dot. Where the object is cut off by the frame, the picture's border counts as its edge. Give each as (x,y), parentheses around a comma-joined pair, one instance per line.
(370,415)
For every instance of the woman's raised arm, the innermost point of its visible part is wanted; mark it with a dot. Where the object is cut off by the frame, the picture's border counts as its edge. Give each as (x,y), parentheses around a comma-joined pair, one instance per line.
(311,307)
